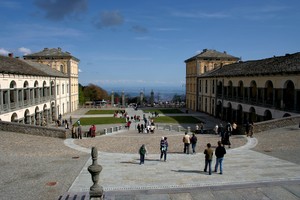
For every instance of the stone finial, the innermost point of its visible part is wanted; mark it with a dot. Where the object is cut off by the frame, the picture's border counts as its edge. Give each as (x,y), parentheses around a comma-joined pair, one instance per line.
(96,191)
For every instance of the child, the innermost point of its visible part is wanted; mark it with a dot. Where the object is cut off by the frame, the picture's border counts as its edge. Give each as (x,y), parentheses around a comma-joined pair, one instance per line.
(208,158)
(142,152)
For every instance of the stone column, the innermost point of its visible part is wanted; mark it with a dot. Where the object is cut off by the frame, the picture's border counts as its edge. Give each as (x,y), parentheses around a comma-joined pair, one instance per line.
(1,100)
(152,98)
(112,99)
(123,99)
(141,97)
(96,191)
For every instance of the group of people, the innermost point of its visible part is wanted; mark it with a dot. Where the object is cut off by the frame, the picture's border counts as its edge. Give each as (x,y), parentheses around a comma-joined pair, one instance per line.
(76,132)
(220,151)
(187,141)
(225,132)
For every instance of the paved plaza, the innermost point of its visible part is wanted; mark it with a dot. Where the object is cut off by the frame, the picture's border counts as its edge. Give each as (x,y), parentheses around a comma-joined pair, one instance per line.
(264,167)
(123,178)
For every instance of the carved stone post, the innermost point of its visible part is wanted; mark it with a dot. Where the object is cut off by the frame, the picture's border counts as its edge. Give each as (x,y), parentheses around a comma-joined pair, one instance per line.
(96,191)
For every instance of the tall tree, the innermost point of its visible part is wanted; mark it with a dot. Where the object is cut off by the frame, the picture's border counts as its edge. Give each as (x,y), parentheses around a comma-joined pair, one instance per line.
(94,93)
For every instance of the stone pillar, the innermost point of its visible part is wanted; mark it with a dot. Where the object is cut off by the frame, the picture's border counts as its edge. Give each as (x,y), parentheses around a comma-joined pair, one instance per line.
(141,97)
(152,98)
(112,99)
(1,100)
(123,99)
(96,191)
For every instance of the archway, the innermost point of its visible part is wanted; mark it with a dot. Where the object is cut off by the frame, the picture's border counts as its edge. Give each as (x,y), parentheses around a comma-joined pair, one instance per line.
(229,112)
(288,95)
(269,93)
(27,117)
(14,117)
(267,115)
(239,114)
(252,115)
(219,110)
(253,91)
(240,90)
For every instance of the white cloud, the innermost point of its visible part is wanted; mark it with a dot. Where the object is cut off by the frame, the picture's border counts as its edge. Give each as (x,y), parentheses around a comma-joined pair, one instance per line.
(24,50)
(4,52)
(201,15)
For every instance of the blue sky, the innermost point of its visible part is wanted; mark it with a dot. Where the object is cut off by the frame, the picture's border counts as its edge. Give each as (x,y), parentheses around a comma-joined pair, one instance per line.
(122,43)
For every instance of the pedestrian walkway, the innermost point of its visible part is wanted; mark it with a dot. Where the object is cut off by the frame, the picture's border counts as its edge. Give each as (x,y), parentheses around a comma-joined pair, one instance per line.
(123,176)
(241,166)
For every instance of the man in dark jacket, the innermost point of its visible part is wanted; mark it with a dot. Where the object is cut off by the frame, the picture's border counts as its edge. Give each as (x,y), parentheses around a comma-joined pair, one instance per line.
(208,158)
(220,152)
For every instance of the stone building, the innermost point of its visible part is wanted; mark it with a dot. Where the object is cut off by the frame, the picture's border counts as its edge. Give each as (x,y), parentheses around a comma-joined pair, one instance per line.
(203,62)
(252,91)
(65,63)
(34,93)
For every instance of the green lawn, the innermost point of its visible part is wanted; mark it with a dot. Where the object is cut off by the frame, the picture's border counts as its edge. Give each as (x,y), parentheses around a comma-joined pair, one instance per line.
(101,120)
(177,119)
(164,111)
(99,112)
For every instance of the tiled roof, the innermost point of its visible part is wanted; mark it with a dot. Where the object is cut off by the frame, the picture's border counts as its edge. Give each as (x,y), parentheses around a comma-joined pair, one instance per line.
(290,63)
(47,69)
(49,53)
(212,54)
(17,66)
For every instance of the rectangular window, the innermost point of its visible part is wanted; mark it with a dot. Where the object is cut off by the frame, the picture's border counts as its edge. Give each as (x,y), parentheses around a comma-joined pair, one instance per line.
(57,89)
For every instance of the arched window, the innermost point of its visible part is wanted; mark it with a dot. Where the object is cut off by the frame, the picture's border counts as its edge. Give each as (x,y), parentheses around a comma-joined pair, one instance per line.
(269,92)
(13,96)
(253,91)
(289,95)
(241,90)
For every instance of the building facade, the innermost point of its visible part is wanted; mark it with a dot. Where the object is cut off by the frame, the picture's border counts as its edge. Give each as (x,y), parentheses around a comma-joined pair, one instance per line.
(252,91)
(203,62)
(34,93)
(66,64)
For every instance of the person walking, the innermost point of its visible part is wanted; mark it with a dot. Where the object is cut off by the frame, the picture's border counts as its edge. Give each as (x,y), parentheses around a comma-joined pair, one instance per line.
(226,139)
(73,130)
(93,131)
(142,152)
(186,142)
(164,148)
(193,142)
(251,127)
(208,158)
(220,152)
(139,128)
(79,130)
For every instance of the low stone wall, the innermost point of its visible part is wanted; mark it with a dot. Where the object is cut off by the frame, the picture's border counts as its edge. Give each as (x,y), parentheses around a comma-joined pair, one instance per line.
(276,123)
(33,130)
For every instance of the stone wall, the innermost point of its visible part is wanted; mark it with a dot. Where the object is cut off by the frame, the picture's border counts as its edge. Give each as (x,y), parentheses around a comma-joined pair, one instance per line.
(276,123)
(33,130)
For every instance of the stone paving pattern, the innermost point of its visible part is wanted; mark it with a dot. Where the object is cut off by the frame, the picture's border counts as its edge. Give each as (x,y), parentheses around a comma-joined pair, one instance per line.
(264,167)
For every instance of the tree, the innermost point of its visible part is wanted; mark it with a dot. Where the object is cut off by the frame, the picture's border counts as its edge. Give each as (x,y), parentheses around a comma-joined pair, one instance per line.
(94,93)
(81,95)
(176,98)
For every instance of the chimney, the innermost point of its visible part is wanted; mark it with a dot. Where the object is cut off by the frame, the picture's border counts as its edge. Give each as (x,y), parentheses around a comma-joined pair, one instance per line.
(204,50)
(11,55)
